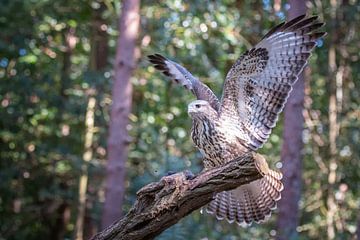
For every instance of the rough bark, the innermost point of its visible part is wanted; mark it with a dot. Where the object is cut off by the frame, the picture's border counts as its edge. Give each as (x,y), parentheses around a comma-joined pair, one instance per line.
(161,204)
(291,156)
(122,92)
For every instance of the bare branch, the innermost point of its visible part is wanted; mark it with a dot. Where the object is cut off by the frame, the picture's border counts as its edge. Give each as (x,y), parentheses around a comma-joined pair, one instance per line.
(161,204)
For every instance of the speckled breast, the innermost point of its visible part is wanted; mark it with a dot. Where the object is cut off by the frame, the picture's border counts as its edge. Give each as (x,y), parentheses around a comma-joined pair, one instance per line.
(213,143)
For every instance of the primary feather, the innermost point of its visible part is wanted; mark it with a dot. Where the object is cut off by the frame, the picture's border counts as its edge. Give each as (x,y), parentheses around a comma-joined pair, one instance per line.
(181,76)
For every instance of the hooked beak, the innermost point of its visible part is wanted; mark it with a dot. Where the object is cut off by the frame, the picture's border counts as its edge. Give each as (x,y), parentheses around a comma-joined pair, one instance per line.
(191,109)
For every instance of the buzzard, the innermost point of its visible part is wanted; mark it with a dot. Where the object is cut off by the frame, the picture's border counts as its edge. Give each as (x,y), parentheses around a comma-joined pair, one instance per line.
(255,91)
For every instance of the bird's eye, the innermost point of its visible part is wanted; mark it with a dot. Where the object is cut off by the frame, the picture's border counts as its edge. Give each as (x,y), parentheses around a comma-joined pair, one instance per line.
(197,105)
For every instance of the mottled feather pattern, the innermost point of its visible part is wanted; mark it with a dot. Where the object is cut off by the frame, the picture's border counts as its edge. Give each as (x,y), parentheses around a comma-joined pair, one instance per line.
(288,47)
(251,62)
(261,97)
(255,91)
(181,76)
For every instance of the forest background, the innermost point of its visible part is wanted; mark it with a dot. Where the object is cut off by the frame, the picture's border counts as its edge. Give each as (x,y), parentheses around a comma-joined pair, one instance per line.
(56,81)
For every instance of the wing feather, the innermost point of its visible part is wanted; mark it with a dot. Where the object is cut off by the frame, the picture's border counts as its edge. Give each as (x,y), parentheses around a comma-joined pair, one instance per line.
(258,84)
(181,76)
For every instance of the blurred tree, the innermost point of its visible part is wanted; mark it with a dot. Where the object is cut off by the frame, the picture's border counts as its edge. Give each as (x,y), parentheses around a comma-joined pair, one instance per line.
(118,140)
(358,228)
(333,126)
(291,152)
(98,62)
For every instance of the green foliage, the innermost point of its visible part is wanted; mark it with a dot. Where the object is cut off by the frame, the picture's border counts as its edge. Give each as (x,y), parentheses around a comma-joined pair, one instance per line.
(43,104)
(45,88)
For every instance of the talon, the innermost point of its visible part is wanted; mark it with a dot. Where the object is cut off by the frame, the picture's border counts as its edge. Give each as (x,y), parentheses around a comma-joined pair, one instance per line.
(170,173)
(189,175)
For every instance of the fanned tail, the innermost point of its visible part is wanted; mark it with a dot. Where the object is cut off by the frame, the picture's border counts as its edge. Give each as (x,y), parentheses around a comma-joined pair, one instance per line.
(248,203)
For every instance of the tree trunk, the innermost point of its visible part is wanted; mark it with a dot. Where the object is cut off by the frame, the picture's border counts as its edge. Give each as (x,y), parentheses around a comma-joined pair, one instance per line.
(62,214)
(122,92)
(291,156)
(99,49)
(332,207)
(63,210)
(358,226)
(87,156)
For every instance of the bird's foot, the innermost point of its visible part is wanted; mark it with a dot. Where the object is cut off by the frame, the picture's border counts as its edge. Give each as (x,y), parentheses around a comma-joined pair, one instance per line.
(189,175)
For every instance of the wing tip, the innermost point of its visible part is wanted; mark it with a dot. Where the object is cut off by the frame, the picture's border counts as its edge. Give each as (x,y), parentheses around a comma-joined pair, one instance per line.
(296,23)
(159,63)
(318,35)
(156,57)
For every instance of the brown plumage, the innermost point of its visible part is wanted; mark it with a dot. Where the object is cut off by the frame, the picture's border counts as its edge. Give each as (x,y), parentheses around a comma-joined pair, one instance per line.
(255,91)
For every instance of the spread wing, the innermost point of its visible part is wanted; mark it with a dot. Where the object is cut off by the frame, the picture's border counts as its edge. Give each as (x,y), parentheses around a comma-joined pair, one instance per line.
(258,84)
(180,75)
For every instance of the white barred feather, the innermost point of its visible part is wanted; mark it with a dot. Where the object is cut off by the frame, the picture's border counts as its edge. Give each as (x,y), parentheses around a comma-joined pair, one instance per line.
(250,202)
(261,92)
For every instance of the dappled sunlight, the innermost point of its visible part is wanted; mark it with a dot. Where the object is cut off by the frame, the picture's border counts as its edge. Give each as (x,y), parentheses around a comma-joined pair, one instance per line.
(64,105)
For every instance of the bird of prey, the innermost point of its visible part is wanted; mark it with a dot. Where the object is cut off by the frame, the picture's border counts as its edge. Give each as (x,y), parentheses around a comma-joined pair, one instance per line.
(255,91)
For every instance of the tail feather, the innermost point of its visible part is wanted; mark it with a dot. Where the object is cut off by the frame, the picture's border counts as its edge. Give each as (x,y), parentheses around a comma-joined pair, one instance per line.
(222,211)
(249,203)
(271,187)
(263,211)
(240,212)
(254,212)
(231,210)
(264,208)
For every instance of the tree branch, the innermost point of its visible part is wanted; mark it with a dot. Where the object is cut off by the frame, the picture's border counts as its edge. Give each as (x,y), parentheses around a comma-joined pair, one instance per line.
(160,205)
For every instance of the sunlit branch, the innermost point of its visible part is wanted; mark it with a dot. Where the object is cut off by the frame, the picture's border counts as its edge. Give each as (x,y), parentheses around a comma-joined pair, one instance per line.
(160,205)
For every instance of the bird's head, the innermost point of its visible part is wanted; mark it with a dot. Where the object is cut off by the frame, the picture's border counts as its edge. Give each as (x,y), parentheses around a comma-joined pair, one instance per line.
(200,109)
